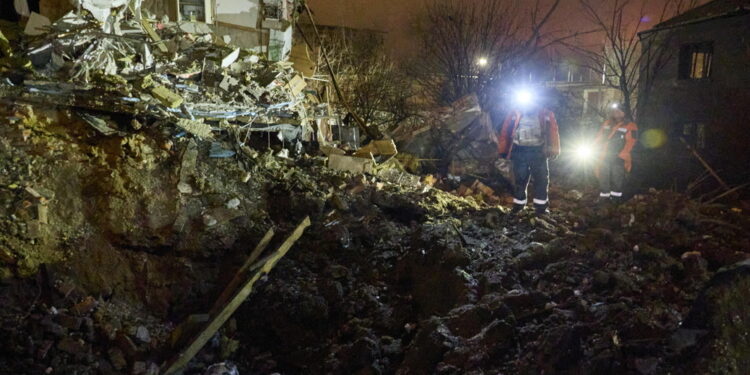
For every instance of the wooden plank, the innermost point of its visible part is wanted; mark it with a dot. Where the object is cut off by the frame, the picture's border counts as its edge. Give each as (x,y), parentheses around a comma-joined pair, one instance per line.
(382,147)
(258,250)
(153,35)
(180,361)
(188,327)
(241,274)
(705,164)
(728,192)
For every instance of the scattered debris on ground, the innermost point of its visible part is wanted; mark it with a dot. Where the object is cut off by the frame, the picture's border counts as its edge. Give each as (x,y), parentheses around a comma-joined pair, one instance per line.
(130,197)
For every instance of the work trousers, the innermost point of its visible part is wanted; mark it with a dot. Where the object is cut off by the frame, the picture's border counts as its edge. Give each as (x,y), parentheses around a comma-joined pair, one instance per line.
(612,176)
(530,163)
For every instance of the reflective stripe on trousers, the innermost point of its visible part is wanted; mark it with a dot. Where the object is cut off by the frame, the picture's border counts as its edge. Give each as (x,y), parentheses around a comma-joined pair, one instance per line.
(530,163)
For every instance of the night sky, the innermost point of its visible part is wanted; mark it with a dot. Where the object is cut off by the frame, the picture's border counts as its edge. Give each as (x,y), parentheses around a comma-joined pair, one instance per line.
(396,17)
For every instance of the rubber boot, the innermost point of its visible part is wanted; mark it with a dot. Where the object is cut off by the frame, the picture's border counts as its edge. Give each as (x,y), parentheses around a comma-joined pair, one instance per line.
(541,210)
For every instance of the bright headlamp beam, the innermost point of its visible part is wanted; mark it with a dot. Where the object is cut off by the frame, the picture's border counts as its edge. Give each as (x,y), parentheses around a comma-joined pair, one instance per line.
(483,61)
(524,97)
(584,153)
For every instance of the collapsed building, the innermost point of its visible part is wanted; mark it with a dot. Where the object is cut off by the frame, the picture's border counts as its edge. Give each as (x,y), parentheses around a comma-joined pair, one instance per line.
(168,204)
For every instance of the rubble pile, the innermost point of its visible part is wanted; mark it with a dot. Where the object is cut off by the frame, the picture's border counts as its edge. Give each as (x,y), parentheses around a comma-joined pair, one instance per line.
(179,74)
(138,238)
(130,195)
(459,138)
(476,291)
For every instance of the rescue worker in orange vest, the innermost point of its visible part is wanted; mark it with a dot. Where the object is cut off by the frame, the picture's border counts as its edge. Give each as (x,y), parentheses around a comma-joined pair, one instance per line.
(529,138)
(615,142)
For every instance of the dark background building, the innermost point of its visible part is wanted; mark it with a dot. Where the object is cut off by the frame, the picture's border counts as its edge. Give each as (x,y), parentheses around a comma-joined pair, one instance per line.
(696,86)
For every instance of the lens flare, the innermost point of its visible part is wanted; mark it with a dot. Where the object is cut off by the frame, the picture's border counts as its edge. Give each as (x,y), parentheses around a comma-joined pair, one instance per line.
(524,97)
(654,138)
(584,153)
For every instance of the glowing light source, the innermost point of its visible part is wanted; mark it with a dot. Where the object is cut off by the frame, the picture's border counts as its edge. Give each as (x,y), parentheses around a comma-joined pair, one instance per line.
(524,97)
(483,61)
(615,106)
(584,152)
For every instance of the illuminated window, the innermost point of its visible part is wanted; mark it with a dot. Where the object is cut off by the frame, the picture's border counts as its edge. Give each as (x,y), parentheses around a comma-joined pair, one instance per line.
(696,60)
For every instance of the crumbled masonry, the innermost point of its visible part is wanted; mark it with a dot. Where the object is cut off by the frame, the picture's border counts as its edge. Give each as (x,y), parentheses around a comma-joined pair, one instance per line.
(125,215)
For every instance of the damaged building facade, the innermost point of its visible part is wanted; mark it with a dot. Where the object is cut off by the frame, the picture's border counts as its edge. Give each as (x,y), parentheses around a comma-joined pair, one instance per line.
(180,72)
(265,26)
(172,203)
(585,95)
(697,86)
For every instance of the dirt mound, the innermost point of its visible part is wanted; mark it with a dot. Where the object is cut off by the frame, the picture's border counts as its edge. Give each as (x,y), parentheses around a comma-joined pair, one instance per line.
(108,243)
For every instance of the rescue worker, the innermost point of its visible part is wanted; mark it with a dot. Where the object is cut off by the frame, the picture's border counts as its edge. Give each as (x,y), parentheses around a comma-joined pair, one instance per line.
(529,138)
(615,142)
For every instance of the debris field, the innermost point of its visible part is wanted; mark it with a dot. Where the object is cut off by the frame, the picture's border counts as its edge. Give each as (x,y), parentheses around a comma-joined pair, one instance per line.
(140,194)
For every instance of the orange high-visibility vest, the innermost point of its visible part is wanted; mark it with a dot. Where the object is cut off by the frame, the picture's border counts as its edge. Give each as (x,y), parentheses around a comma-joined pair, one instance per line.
(608,129)
(550,132)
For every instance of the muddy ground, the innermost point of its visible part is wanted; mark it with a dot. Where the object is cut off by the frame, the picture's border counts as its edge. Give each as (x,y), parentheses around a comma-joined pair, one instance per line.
(108,243)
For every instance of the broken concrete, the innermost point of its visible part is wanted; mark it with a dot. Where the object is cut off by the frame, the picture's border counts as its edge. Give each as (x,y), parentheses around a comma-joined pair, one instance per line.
(146,221)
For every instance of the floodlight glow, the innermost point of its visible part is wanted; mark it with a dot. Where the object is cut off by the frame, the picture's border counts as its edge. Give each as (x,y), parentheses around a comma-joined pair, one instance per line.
(524,98)
(483,61)
(584,152)
(615,106)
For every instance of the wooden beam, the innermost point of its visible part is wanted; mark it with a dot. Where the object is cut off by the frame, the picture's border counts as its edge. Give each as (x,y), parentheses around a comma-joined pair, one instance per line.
(258,249)
(241,273)
(734,190)
(181,360)
(153,35)
(705,164)
(188,327)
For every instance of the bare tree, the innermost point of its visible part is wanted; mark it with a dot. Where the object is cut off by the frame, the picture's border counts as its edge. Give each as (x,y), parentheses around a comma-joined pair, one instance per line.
(625,63)
(374,84)
(370,82)
(469,46)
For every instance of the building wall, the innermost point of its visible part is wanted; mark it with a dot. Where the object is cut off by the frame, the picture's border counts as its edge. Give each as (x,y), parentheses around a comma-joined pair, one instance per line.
(719,104)
(255,39)
(239,19)
(584,107)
